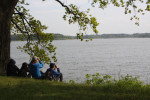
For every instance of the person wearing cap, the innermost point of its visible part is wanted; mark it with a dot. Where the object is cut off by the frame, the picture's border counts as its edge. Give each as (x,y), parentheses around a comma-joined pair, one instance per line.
(35,66)
(56,75)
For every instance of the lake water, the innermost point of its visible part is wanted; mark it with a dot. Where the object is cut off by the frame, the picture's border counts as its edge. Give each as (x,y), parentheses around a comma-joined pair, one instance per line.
(106,56)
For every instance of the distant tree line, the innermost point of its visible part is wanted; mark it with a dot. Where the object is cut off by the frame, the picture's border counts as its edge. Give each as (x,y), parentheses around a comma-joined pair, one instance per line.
(123,35)
(55,36)
(63,37)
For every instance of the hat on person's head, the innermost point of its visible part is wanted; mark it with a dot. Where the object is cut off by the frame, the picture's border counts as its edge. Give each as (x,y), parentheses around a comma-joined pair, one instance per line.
(52,65)
(12,61)
(34,58)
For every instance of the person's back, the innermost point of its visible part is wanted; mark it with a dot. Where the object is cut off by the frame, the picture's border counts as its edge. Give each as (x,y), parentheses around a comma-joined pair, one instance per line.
(24,71)
(35,67)
(12,69)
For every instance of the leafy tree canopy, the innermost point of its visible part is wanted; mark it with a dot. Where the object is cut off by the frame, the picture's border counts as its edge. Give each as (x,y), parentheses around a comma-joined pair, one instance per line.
(31,28)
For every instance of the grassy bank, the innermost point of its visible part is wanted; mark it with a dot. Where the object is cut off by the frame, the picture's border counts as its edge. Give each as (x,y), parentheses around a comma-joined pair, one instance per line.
(12,88)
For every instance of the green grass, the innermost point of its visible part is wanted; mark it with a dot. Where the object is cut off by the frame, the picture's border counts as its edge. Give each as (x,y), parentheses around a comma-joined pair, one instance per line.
(14,88)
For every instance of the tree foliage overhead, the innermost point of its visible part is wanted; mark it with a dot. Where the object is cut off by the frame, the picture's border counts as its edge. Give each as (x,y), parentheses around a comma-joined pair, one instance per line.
(23,22)
(130,6)
(31,28)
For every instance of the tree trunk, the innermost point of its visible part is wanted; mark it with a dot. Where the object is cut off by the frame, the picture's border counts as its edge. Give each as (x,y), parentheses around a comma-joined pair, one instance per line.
(6,11)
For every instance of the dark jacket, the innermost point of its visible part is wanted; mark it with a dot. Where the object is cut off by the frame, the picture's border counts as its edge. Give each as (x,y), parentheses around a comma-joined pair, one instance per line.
(12,69)
(24,72)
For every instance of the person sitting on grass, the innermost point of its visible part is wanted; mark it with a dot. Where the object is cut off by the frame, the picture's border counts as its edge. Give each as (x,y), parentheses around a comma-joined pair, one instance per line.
(24,71)
(35,66)
(55,75)
(12,69)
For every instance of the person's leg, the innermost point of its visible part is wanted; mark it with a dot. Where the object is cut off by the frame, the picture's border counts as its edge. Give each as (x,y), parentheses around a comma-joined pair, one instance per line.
(60,76)
(42,75)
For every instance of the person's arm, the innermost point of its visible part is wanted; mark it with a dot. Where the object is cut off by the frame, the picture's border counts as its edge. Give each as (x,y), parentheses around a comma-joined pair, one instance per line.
(55,72)
(40,64)
(58,70)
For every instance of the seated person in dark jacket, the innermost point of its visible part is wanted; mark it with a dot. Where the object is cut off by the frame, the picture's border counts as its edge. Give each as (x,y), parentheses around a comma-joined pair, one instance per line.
(55,74)
(12,69)
(24,71)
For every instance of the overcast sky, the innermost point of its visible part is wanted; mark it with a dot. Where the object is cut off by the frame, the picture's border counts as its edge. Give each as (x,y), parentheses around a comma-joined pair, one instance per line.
(111,20)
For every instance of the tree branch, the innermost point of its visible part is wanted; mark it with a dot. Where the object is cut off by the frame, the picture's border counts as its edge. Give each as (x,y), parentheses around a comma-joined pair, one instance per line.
(64,5)
(68,9)
(28,39)
(18,27)
(24,18)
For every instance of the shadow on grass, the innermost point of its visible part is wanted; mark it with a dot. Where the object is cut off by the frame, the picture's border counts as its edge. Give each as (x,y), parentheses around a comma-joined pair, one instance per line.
(30,89)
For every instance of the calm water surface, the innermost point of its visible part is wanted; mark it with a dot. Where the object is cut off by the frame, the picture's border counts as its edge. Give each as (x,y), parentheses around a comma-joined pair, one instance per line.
(106,56)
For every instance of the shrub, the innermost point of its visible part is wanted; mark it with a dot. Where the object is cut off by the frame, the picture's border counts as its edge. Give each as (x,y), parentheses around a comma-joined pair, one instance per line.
(124,81)
(97,79)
